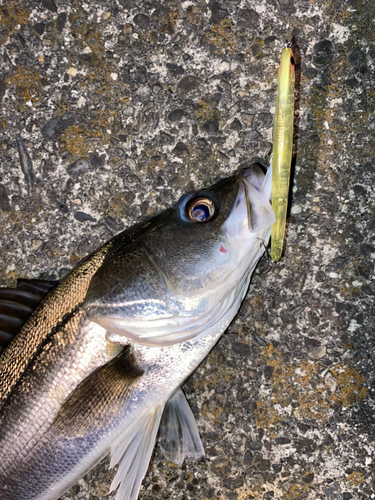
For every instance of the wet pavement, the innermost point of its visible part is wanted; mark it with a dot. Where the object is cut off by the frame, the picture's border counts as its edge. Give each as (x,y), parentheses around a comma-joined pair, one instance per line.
(111,110)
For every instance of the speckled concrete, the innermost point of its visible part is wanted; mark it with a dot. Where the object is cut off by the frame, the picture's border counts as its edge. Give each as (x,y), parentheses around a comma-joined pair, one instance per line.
(111,110)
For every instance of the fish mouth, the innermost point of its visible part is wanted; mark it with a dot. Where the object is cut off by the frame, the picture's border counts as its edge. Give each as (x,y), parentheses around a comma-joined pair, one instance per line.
(252,210)
(258,188)
(254,175)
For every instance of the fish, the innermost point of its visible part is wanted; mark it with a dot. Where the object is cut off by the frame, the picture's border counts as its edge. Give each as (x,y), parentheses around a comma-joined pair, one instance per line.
(282,149)
(98,367)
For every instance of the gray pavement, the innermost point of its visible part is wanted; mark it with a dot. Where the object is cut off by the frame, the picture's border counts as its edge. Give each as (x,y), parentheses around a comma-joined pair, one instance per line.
(111,110)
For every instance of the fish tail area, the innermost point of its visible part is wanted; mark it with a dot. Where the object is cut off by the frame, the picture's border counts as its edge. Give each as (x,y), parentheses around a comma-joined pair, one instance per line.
(133,451)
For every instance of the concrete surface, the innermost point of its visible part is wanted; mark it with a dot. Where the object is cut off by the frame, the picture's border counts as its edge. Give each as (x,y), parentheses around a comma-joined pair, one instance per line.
(110,110)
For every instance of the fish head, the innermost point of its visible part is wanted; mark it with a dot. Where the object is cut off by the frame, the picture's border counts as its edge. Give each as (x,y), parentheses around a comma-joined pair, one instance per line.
(183,272)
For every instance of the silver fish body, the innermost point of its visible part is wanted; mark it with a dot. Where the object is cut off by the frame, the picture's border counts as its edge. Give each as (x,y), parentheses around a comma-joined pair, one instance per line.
(105,354)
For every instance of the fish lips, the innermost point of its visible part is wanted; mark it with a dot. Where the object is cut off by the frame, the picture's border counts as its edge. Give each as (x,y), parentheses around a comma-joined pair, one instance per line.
(252,211)
(258,186)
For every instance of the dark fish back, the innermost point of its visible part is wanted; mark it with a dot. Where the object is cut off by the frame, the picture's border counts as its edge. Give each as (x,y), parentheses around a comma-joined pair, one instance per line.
(62,301)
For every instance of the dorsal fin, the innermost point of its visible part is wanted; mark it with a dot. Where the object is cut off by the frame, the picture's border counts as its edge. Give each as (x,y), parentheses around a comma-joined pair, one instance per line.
(17,305)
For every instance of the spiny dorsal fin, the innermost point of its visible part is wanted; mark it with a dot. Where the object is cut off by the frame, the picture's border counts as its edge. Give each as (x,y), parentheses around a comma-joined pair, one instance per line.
(17,305)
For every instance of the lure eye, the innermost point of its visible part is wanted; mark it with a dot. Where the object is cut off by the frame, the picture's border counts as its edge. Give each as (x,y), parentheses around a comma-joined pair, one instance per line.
(201,210)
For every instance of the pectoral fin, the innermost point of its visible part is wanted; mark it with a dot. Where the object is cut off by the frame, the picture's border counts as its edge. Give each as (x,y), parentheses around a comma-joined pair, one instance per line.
(96,402)
(92,410)
(179,435)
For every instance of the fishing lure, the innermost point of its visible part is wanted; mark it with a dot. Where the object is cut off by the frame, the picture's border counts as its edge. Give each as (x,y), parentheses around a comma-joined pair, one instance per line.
(282,149)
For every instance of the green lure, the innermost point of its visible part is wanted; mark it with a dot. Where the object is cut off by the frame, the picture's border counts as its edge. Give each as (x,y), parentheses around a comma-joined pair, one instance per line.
(282,149)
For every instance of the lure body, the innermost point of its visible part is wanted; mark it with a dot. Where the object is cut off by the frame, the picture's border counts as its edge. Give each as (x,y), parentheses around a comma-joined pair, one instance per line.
(282,149)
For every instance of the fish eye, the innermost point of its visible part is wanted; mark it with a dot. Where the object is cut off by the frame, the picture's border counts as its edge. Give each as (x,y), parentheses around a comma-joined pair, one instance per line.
(292,61)
(200,210)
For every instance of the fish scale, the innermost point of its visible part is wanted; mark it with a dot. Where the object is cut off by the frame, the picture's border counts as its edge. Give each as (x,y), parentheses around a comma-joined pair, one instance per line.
(75,349)
(60,302)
